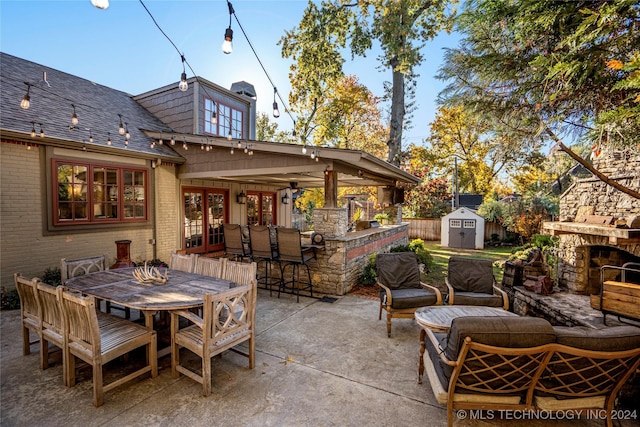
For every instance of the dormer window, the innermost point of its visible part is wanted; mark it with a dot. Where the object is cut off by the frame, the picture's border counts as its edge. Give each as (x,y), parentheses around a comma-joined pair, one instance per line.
(227,119)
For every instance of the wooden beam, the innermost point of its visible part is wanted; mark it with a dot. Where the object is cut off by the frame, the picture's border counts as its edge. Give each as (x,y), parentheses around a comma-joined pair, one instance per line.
(330,189)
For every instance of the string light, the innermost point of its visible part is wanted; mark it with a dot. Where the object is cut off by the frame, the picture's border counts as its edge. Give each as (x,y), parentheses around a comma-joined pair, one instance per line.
(100,4)
(160,141)
(231,150)
(227,45)
(108,138)
(41,131)
(127,135)
(276,112)
(74,117)
(173,140)
(26,99)
(120,126)
(183,85)
(90,136)
(184,145)
(33,129)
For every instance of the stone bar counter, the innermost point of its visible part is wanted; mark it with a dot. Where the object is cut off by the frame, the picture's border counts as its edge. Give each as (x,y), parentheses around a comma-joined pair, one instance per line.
(345,254)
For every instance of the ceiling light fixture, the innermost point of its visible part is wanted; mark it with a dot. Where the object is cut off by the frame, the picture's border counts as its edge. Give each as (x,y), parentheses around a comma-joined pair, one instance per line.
(26,100)
(227,45)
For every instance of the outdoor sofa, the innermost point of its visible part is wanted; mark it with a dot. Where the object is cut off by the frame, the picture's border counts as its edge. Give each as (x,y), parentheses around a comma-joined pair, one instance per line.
(525,364)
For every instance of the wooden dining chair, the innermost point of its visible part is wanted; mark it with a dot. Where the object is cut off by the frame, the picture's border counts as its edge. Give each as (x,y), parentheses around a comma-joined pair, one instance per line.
(241,273)
(52,324)
(212,267)
(228,320)
(30,313)
(97,343)
(182,262)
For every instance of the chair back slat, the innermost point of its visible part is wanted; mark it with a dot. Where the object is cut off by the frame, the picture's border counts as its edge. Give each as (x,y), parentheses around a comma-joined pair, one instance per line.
(241,273)
(80,321)
(29,306)
(289,245)
(212,267)
(70,268)
(182,262)
(51,312)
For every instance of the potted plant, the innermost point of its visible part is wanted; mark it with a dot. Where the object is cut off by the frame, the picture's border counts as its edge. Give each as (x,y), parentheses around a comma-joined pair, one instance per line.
(382,218)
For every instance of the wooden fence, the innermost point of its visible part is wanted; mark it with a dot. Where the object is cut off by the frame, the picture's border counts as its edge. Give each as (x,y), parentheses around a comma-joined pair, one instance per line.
(428,229)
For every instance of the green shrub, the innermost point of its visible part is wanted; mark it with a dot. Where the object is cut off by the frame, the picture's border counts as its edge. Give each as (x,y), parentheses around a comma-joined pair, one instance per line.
(52,276)
(152,263)
(369,275)
(417,247)
(9,300)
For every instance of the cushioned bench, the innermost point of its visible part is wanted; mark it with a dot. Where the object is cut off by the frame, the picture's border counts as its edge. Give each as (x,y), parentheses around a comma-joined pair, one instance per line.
(524,363)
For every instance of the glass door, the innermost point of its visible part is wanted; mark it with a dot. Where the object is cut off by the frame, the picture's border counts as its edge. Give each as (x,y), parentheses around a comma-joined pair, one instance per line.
(205,210)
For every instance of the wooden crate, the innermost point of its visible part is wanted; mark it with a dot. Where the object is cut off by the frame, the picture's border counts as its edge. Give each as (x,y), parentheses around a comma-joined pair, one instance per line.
(621,299)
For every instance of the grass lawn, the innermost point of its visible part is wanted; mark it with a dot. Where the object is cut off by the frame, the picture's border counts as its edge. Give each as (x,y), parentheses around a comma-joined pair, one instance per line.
(441,258)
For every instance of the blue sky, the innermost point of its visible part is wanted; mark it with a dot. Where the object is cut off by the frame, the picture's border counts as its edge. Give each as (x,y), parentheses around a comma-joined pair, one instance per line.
(121,47)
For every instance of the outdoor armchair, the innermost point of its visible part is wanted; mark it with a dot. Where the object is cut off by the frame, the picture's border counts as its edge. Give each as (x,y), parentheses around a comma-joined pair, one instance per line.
(471,282)
(402,291)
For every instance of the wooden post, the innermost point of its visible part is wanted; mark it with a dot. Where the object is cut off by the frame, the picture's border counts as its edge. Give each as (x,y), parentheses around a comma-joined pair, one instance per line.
(330,189)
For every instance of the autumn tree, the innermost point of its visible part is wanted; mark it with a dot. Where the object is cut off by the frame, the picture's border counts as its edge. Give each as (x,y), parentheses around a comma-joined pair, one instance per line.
(429,199)
(546,71)
(350,118)
(401,28)
(462,139)
(266,130)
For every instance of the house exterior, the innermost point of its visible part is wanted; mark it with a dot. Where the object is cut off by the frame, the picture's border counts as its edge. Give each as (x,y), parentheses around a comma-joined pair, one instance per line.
(462,228)
(166,183)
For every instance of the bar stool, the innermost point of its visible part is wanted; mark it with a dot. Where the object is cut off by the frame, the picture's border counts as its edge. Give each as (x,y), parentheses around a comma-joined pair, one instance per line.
(262,250)
(291,252)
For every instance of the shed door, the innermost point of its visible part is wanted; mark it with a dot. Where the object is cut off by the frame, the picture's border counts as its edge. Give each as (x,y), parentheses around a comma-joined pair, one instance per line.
(462,233)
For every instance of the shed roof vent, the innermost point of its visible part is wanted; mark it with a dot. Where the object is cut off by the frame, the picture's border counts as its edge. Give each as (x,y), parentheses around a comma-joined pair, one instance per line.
(244,88)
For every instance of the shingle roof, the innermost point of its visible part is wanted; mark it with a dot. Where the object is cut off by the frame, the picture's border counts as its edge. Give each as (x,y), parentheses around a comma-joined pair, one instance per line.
(97,108)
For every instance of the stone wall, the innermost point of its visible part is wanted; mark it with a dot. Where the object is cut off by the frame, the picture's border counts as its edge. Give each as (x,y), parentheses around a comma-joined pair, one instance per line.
(575,257)
(340,263)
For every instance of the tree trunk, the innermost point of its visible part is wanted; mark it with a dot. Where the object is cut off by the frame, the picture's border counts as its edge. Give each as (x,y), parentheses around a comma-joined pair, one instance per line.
(596,172)
(397,117)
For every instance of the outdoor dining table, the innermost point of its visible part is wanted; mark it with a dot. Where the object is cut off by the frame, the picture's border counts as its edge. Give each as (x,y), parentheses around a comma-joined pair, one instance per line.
(182,291)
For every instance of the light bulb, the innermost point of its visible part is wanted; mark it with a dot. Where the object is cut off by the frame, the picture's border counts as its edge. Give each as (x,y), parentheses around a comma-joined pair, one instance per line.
(120,126)
(276,112)
(173,140)
(231,151)
(227,46)
(41,132)
(313,155)
(100,4)
(229,136)
(304,149)
(127,135)
(183,85)
(26,102)
(214,118)
(33,130)
(74,117)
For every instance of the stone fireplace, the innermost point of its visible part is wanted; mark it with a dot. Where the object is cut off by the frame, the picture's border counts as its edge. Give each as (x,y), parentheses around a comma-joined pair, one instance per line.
(584,244)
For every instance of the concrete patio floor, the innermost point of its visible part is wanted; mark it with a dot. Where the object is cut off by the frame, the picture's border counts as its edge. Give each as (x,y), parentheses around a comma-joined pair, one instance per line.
(317,364)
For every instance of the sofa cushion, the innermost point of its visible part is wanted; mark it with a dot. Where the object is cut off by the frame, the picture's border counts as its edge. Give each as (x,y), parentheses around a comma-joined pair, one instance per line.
(474,298)
(409,298)
(498,331)
(616,338)
(398,270)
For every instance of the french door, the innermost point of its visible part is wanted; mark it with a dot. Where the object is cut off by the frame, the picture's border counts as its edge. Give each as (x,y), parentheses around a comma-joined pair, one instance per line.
(205,210)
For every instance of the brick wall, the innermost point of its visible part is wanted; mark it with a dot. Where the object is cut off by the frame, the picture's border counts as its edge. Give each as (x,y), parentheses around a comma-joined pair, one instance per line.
(25,246)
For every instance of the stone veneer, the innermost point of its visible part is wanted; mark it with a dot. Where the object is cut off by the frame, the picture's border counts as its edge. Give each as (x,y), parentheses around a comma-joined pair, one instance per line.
(574,249)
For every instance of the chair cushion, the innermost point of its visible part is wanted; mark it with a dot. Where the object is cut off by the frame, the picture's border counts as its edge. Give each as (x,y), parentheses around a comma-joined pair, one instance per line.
(617,338)
(498,331)
(471,275)
(398,270)
(410,298)
(473,298)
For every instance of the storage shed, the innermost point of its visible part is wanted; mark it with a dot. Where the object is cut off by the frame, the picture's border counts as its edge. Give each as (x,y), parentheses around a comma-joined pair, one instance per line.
(462,228)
